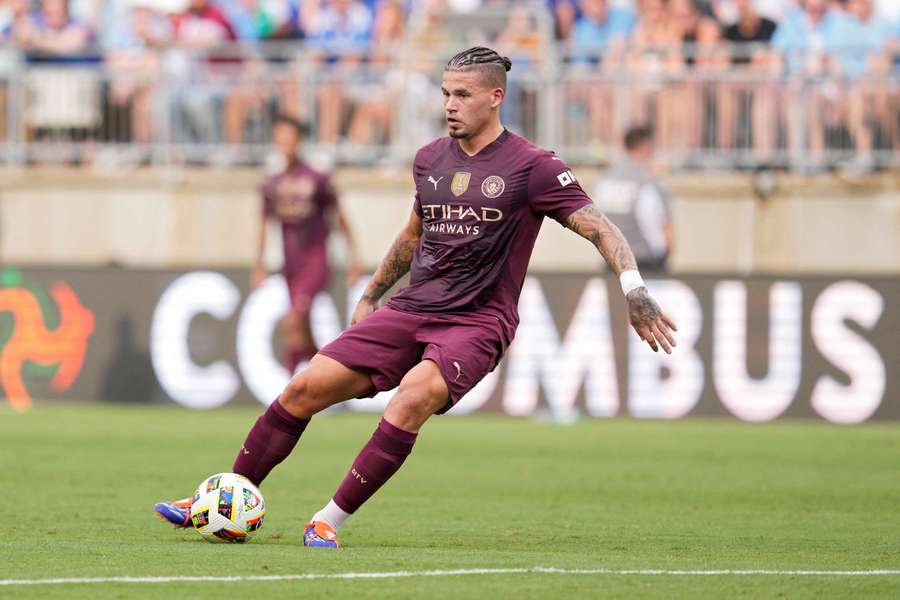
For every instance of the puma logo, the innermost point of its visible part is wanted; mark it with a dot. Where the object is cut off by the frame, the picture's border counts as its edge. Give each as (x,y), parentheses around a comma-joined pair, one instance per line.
(434,181)
(359,476)
(244,450)
(458,370)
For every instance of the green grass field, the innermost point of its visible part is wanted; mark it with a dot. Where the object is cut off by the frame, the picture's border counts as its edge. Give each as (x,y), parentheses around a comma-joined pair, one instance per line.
(478,492)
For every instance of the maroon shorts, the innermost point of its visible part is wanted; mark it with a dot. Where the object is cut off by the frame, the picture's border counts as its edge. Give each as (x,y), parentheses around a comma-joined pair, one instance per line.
(304,284)
(389,343)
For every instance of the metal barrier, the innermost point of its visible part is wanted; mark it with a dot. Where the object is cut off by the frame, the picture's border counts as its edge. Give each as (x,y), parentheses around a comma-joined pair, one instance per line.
(738,119)
(174,108)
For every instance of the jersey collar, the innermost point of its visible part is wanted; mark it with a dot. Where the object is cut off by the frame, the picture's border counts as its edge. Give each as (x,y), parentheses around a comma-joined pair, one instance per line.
(486,151)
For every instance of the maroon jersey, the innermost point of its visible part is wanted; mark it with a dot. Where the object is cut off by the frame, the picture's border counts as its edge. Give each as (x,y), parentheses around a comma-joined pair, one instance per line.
(301,198)
(481,216)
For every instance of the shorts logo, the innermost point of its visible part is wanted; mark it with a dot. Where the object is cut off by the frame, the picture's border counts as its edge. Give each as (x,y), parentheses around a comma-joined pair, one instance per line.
(458,370)
(565,178)
(460,183)
(493,186)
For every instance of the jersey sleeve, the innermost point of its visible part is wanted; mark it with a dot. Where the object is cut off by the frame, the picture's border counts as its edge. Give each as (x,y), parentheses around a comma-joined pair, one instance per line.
(553,190)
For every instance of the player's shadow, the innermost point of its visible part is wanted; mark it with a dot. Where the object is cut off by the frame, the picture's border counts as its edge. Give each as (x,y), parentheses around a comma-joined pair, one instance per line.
(129,376)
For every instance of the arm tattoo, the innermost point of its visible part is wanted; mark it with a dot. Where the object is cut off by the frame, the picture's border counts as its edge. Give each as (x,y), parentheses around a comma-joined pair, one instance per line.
(394,266)
(592,225)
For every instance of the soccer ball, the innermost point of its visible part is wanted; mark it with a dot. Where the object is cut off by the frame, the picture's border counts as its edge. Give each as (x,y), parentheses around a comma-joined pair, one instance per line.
(227,507)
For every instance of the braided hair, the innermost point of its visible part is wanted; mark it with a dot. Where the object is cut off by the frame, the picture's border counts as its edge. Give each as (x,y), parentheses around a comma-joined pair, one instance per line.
(492,66)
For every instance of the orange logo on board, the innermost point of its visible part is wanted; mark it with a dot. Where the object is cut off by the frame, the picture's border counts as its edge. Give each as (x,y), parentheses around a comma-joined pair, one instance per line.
(31,341)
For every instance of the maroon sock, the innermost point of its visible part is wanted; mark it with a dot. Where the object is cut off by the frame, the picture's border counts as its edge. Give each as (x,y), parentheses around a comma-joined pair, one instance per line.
(376,463)
(269,442)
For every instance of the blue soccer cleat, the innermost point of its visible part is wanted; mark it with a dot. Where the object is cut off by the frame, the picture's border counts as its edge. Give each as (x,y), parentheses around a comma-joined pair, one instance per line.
(320,534)
(177,512)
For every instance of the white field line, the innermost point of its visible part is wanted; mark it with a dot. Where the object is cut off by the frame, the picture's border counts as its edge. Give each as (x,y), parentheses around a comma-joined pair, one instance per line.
(451,572)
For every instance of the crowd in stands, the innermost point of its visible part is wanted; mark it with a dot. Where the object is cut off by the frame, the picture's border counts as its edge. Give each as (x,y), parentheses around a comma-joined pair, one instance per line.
(717,74)
(825,60)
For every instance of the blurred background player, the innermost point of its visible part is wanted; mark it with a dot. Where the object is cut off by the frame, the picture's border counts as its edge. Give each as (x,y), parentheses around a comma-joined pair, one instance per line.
(633,198)
(306,204)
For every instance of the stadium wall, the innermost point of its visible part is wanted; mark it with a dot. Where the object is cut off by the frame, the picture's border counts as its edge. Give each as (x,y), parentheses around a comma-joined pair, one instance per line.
(200,218)
(758,348)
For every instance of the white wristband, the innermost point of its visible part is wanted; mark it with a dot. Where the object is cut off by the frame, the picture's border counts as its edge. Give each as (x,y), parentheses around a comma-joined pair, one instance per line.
(630,280)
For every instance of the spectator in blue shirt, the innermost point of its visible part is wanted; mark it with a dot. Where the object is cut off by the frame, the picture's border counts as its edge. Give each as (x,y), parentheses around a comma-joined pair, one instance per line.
(801,37)
(341,26)
(858,51)
(598,40)
(599,28)
(341,31)
(858,41)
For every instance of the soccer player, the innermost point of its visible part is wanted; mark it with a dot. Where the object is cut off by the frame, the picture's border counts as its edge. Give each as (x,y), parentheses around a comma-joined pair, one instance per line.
(481,195)
(306,204)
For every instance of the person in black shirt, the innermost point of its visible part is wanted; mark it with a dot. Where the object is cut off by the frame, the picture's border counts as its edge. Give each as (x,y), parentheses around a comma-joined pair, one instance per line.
(749,99)
(750,28)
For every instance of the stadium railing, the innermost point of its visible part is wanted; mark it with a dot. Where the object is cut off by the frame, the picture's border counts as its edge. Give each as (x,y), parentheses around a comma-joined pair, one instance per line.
(710,108)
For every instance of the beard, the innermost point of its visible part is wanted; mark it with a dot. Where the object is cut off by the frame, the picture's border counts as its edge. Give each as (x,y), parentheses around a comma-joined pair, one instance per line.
(459,134)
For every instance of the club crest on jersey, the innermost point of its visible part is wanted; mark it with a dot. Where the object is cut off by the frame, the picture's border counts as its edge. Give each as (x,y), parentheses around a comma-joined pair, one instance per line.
(460,183)
(493,186)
